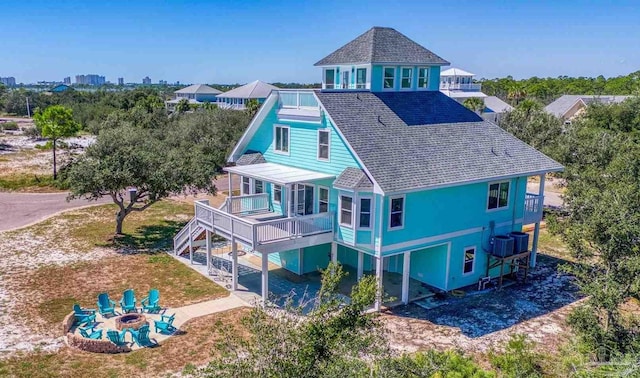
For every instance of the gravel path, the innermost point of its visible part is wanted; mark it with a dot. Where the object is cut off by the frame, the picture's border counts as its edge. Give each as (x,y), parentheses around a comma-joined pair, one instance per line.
(23,209)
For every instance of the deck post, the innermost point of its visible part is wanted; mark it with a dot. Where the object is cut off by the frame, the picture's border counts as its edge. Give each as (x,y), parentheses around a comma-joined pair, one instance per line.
(380,292)
(334,252)
(230,188)
(190,244)
(208,243)
(406,268)
(360,264)
(536,230)
(265,277)
(234,266)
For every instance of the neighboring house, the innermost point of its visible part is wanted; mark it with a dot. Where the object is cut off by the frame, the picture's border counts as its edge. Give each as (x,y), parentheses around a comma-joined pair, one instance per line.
(379,171)
(196,94)
(238,97)
(60,88)
(568,107)
(458,84)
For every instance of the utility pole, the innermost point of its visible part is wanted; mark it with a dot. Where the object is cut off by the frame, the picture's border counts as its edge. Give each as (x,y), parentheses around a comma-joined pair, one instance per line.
(28,110)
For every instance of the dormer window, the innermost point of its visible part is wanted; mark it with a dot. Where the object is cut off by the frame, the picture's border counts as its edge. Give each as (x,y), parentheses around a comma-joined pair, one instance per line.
(361,78)
(329,78)
(423,78)
(389,77)
(407,75)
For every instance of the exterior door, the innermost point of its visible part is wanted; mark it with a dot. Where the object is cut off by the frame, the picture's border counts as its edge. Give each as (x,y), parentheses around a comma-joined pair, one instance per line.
(303,199)
(345,79)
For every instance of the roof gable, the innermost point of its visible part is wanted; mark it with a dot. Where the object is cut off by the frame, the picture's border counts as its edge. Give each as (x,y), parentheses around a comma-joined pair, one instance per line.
(255,89)
(198,89)
(382,45)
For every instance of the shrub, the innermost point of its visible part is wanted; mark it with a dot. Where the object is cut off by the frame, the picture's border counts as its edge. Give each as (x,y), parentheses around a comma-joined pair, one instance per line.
(518,360)
(11,125)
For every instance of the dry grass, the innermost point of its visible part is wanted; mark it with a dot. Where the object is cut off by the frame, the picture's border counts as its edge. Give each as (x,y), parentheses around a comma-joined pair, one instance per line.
(552,245)
(194,348)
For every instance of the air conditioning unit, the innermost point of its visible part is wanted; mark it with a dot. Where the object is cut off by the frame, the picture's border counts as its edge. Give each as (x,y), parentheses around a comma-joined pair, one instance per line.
(520,241)
(503,246)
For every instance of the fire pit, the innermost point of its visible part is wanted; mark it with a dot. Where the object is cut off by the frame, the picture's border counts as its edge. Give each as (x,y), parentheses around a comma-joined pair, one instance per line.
(133,321)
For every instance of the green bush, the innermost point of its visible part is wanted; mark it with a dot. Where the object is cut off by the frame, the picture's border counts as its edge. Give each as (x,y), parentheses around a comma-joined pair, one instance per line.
(518,360)
(9,126)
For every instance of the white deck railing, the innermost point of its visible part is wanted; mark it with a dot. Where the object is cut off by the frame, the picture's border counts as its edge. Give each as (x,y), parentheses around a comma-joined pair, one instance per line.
(182,237)
(461,87)
(248,204)
(533,204)
(297,99)
(255,233)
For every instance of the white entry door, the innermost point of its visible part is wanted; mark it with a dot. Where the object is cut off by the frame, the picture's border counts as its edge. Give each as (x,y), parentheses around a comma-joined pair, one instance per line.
(302,199)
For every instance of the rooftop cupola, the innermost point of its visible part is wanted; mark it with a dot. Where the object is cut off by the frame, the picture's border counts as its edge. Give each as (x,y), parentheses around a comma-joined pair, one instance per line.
(381,59)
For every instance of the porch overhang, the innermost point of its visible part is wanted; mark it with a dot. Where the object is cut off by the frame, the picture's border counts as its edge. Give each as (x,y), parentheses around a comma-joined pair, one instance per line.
(278,174)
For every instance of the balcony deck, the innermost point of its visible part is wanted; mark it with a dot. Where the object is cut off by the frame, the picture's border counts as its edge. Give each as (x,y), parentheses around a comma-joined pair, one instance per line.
(533,208)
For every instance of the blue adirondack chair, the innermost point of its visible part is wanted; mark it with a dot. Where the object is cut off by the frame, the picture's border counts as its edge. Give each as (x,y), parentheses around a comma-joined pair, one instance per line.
(105,305)
(152,302)
(165,325)
(141,336)
(84,315)
(90,333)
(128,301)
(117,337)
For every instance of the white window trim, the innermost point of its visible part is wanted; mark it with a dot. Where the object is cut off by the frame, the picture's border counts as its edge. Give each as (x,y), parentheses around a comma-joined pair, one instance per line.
(366,75)
(273,193)
(418,77)
(410,78)
(294,198)
(275,130)
(253,186)
(242,192)
(324,78)
(328,198)
(340,195)
(404,211)
(473,264)
(328,158)
(395,78)
(371,213)
(508,196)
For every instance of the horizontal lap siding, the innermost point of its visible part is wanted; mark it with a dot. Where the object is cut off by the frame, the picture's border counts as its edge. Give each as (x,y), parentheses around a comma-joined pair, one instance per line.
(448,210)
(315,258)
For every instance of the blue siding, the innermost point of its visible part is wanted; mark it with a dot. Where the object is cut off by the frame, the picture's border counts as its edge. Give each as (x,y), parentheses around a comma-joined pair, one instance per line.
(289,260)
(377,78)
(429,266)
(315,258)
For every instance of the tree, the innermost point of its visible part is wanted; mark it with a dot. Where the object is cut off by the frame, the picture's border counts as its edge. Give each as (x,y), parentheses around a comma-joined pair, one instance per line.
(156,160)
(474,104)
(252,106)
(55,122)
(531,124)
(183,106)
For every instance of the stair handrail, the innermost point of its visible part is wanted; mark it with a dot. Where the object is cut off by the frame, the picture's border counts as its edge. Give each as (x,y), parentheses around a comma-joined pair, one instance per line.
(185,231)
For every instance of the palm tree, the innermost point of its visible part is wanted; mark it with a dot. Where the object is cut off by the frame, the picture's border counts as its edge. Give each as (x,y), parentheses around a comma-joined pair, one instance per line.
(475,104)
(252,106)
(516,93)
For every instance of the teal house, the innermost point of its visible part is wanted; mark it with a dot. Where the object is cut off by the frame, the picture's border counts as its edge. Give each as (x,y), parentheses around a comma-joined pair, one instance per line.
(379,171)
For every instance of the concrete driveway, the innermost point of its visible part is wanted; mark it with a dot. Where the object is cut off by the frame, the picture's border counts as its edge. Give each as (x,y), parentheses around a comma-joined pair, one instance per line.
(23,209)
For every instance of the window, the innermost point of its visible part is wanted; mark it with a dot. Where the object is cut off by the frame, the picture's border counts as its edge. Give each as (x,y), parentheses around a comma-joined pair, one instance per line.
(345,79)
(423,78)
(365,213)
(389,77)
(323,144)
(469,259)
(246,186)
(258,187)
(407,74)
(396,213)
(498,195)
(277,194)
(329,79)
(346,210)
(282,139)
(361,78)
(323,200)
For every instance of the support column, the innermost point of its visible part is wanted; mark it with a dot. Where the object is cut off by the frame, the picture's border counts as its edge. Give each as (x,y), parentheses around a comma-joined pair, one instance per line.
(208,243)
(230,186)
(536,230)
(234,264)
(265,278)
(360,264)
(334,252)
(190,244)
(406,269)
(380,291)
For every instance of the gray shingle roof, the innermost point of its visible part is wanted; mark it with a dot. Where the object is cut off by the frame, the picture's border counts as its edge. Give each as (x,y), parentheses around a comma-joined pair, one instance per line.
(353,178)
(199,89)
(382,45)
(250,157)
(496,105)
(560,106)
(439,143)
(255,89)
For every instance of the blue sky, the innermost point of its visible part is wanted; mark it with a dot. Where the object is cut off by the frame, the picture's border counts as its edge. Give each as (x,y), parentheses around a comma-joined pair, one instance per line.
(243,40)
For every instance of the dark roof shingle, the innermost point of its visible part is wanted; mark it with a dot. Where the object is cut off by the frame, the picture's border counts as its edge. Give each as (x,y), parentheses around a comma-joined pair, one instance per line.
(353,178)
(251,157)
(439,143)
(382,45)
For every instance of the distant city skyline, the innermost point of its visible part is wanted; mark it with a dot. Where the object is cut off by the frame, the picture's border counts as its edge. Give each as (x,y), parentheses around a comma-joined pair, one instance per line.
(238,42)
